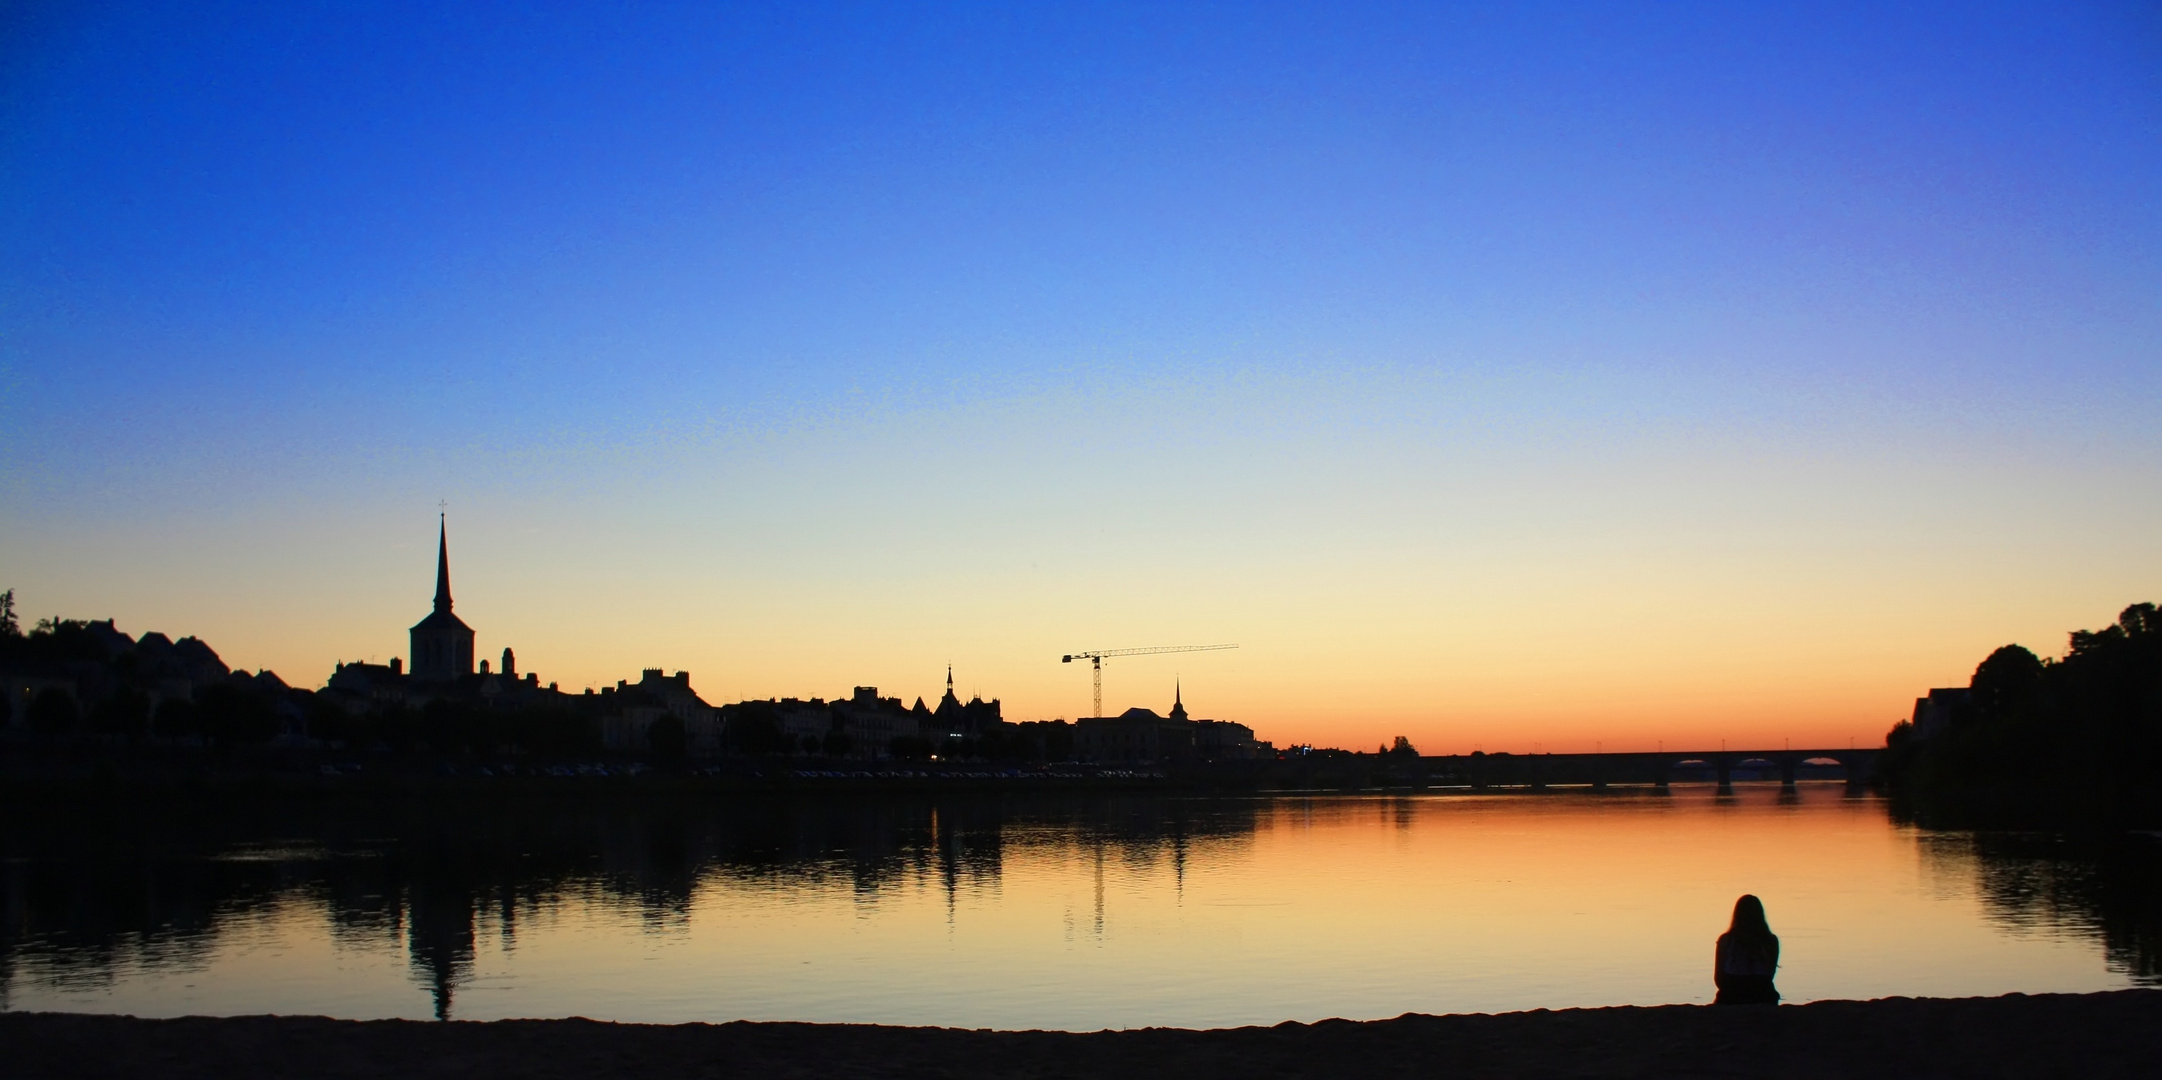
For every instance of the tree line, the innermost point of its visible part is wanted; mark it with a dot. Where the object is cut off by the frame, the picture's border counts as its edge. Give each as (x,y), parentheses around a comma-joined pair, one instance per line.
(2072,740)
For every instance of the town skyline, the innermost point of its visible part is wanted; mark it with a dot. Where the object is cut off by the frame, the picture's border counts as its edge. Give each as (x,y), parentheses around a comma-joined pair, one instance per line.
(1492,376)
(1094,539)
(1434,737)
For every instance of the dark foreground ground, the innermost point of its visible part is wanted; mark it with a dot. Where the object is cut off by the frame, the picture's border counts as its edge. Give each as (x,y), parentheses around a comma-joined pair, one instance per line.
(2090,1035)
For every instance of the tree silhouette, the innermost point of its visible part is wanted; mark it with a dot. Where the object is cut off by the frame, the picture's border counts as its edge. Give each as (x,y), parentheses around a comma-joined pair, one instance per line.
(2076,739)
(53,712)
(230,716)
(126,712)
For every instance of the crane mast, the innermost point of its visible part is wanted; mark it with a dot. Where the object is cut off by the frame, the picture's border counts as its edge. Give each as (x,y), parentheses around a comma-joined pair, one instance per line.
(1096,658)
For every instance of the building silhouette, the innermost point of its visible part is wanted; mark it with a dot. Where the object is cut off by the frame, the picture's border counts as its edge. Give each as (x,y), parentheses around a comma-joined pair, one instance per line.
(630,709)
(1937,711)
(955,719)
(88,678)
(1141,736)
(443,664)
(442,643)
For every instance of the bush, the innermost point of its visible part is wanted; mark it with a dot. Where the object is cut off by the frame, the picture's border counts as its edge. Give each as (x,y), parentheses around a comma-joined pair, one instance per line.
(230,716)
(126,713)
(327,721)
(753,728)
(455,726)
(53,712)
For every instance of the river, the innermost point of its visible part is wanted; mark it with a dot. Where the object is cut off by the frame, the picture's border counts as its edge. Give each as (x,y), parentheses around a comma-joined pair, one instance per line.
(1075,912)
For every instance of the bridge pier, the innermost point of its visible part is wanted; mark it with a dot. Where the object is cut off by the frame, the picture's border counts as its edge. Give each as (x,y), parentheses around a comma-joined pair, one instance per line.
(1540,772)
(1861,775)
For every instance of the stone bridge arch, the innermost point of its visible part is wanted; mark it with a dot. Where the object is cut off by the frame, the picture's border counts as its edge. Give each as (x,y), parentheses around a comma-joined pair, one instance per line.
(1860,765)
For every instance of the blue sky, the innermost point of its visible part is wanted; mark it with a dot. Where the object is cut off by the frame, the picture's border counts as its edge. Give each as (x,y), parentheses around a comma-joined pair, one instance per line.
(989,333)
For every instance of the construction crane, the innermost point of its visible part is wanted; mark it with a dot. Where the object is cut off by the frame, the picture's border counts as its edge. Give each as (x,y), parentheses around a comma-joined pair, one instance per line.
(1096,658)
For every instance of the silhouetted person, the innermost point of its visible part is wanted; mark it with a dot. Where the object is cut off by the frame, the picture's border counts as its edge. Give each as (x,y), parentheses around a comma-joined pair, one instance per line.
(1748,954)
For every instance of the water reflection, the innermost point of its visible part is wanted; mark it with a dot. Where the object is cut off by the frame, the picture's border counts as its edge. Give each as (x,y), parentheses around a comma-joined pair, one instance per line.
(2108,889)
(1304,905)
(85,896)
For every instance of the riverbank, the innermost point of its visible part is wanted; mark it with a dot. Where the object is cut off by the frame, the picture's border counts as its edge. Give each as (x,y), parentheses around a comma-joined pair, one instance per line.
(164,775)
(2087,1035)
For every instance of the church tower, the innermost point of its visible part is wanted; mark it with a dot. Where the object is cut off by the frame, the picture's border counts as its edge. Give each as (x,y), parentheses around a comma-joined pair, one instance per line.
(442,642)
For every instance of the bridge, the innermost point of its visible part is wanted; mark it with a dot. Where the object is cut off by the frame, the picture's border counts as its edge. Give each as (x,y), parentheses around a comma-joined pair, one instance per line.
(1598,770)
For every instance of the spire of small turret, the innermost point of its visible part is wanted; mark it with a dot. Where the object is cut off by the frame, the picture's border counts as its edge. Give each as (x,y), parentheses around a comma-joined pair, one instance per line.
(442,565)
(949,706)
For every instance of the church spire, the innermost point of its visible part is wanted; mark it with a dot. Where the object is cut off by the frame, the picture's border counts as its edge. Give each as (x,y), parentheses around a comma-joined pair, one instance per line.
(442,565)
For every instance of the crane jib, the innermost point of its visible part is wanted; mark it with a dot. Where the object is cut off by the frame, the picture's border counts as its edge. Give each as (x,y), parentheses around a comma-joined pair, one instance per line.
(1096,658)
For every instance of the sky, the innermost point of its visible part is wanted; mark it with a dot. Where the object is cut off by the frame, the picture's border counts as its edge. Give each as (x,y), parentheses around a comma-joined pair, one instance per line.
(1514,377)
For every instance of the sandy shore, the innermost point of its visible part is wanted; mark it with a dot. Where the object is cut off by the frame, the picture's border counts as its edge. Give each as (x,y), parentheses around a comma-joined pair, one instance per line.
(2086,1035)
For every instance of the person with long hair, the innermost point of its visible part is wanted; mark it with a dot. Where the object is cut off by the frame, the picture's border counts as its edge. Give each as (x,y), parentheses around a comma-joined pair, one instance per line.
(1747,956)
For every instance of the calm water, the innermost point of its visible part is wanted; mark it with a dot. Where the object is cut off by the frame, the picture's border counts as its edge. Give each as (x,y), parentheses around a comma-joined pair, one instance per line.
(1082,912)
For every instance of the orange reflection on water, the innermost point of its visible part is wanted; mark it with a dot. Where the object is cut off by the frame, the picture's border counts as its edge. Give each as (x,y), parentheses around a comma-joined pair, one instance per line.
(1256,911)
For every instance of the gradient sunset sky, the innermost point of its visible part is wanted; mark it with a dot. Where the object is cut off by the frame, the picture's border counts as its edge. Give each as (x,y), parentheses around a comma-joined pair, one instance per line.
(1507,376)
